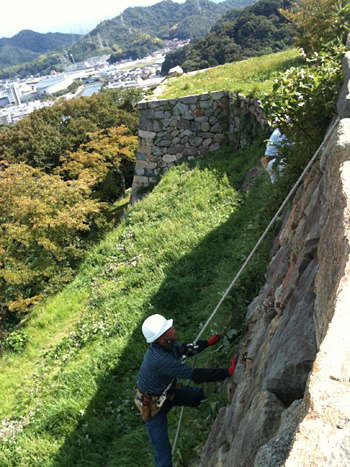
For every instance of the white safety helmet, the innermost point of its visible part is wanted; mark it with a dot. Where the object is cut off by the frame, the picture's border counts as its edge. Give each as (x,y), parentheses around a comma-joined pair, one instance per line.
(154,326)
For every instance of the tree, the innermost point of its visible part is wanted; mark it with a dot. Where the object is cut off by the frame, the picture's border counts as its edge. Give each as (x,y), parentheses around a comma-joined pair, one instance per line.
(105,163)
(253,31)
(42,220)
(46,134)
(319,22)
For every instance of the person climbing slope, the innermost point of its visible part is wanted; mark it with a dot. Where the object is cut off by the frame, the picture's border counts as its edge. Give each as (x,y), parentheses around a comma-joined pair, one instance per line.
(158,390)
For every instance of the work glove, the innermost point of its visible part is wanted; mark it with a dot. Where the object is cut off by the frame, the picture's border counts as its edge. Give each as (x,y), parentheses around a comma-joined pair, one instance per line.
(213,340)
(232,369)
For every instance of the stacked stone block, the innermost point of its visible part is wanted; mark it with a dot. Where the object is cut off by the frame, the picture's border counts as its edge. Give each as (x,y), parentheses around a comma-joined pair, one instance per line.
(247,118)
(176,130)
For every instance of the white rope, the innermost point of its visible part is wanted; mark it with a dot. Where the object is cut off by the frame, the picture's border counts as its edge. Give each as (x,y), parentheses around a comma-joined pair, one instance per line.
(182,410)
(291,193)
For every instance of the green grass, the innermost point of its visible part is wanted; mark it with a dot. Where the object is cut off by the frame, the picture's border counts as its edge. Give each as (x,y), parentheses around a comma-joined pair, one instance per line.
(174,253)
(116,211)
(252,77)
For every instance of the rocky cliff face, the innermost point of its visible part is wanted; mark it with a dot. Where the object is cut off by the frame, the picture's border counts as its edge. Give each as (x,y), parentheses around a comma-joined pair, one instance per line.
(290,401)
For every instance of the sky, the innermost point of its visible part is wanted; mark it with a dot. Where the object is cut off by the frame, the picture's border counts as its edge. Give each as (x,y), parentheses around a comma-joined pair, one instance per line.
(76,16)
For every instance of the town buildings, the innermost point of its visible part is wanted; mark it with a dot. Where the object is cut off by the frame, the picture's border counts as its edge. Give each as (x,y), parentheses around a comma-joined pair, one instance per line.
(19,98)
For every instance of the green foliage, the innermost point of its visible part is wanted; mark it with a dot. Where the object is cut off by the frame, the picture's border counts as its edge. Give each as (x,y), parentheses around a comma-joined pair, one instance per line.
(48,133)
(105,163)
(17,340)
(44,64)
(45,219)
(4,127)
(139,48)
(42,219)
(256,30)
(165,20)
(175,58)
(71,88)
(304,100)
(319,22)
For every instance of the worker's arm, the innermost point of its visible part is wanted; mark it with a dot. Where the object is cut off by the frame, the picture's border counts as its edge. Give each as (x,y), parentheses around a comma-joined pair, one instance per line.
(209,375)
(174,369)
(190,349)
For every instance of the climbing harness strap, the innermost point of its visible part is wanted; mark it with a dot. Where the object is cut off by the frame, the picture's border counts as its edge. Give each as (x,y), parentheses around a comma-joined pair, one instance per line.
(284,204)
(150,405)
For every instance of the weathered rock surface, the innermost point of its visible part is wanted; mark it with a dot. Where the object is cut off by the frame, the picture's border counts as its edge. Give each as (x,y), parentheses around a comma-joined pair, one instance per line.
(290,401)
(259,425)
(325,417)
(176,71)
(292,350)
(276,451)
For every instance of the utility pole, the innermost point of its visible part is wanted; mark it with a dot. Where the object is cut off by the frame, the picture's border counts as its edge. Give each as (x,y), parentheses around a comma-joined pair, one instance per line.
(99,41)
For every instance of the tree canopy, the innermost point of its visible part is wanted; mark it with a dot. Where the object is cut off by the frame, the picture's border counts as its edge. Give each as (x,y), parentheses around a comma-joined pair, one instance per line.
(258,29)
(61,168)
(319,22)
(105,163)
(41,221)
(46,134)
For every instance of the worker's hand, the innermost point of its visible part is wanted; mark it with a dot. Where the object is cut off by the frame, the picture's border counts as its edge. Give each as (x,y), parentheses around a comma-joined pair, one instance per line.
(214,339)
(232,369)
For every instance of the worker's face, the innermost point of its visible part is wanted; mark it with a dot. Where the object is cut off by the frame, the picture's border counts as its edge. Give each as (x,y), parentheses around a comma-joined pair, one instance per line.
(171,334)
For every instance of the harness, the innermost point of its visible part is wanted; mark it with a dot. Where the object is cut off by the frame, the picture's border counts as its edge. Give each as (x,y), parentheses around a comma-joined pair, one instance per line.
(150,405)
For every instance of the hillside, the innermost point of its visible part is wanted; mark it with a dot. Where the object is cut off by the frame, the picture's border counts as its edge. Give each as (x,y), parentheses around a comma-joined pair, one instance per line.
(256,30)
(27,45)
(174,253)
(140,30)
(67,374)
(135,33)
(68,368)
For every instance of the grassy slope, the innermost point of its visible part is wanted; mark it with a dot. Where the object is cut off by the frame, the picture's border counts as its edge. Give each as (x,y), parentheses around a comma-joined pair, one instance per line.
(174,253)
(254,76)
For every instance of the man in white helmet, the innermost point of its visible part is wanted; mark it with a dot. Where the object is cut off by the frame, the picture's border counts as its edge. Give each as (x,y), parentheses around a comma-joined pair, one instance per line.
(158,390)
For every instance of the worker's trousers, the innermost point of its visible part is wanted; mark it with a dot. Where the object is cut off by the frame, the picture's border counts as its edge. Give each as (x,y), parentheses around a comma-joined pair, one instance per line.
(157,428)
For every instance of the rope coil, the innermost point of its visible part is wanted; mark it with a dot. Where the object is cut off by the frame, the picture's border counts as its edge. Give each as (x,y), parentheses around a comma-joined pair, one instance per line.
(283,205)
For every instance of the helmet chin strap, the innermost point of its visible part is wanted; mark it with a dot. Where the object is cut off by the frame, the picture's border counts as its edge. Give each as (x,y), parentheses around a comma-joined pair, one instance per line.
(167,340)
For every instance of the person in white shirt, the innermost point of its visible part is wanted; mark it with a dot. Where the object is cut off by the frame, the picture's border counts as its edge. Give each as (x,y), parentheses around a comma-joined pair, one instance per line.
(272,152)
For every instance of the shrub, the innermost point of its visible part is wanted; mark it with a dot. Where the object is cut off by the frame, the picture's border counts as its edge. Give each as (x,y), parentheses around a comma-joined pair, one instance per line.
(17,340)
(304,100)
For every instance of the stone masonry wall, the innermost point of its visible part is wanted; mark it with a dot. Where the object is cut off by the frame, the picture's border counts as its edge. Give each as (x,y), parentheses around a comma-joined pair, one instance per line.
(289,397)
(246,120)
(183,129)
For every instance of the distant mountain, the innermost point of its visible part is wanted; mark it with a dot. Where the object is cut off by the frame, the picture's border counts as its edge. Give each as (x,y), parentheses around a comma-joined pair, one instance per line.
(141,30)
(27,45)
(135,33)
(256,30)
